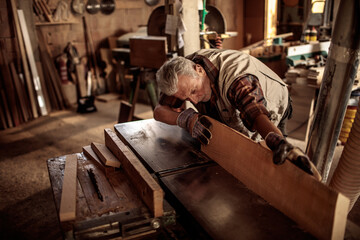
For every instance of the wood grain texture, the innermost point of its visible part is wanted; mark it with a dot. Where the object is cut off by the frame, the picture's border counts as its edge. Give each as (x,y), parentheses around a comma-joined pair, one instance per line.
(147,187)
(20,92)
(68,196)
(318,209)
(105,155)
(90,154)
(8,84)
(32,64)
(148,51)
(24,60)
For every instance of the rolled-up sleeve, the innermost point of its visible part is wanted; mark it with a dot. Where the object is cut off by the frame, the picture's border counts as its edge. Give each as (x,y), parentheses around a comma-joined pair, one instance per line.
(246,95)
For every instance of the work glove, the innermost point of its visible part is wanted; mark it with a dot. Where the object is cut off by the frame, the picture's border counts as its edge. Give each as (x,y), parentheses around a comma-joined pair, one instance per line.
(196,124)
(283,150)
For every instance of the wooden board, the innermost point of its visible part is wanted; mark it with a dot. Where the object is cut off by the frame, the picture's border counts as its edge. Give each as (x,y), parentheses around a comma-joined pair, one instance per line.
(120,200)
(20,90)
(148,51)
(105,155)
(147,187)
(50,69)
(125,112)
(68,196)
(8,84)
(30,55)
(20,40)
(318,209)
(90,154)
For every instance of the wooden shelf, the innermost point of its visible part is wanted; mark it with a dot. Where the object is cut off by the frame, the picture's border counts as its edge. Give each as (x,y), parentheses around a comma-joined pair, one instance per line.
(54,23)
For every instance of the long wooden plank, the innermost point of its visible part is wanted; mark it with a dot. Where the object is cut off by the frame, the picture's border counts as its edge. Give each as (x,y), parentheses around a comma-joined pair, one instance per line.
(68,196)
(24,60)
(30,55)
(149,190)
(8,84)
(105,155)
(318,209)
(51,70)
(19,92)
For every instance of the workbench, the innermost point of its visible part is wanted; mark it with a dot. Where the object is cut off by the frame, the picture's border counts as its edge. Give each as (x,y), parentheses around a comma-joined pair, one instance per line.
(120,213)
(209,202)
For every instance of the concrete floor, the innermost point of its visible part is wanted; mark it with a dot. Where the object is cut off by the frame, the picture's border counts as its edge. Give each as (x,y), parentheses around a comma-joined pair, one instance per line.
(27,210)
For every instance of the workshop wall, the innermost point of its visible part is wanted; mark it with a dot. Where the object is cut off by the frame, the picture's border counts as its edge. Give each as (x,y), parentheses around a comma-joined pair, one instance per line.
(233,12)
(6,31)
(127,17)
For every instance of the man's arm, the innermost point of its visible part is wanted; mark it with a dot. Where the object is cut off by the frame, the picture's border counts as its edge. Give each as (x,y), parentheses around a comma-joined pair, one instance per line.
(264,126)
(165,114)
(169,111)
(246,94)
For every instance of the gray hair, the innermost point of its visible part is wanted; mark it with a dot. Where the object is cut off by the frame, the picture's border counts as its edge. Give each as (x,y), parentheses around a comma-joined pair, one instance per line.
(167,75)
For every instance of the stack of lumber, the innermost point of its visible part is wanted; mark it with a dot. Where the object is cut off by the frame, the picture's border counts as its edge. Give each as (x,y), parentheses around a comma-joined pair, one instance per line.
(115,154)
(300,75)
(28,89)
(42,10)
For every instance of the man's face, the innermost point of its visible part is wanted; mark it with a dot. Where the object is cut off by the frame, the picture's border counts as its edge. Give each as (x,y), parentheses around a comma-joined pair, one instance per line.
(192,89)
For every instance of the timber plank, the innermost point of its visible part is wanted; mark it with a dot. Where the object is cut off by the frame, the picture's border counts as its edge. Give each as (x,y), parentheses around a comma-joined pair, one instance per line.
(68,196)
(110,200)
(51,70)
(8,84)
(105,155)
(24,60)
(318,209)
(147,187)
(89,153)
(19,92)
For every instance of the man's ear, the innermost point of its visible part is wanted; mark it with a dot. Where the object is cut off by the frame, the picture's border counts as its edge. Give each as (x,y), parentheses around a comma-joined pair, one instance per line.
(199,69)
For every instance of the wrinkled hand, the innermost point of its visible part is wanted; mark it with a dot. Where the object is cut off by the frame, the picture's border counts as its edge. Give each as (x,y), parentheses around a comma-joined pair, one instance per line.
(283,150)
(196,124)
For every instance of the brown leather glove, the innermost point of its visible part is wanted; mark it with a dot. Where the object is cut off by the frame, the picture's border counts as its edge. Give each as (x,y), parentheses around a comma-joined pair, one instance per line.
(196,124)
(283,150)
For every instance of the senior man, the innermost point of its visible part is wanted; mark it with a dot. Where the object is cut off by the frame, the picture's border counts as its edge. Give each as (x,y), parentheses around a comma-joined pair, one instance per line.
(233,88)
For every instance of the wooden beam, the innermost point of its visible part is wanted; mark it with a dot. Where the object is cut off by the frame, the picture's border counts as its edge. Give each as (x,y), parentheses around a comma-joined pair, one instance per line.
(105,155)
(20,92)
(68,195)
(29,51)
(24,60)
(315,207)
(8,84)
(51,70)
(149,190)
(90,154)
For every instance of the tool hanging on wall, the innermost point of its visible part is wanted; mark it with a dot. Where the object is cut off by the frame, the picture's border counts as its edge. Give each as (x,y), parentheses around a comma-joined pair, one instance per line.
(107,6)
(78,7)
(93,6)
(62,11)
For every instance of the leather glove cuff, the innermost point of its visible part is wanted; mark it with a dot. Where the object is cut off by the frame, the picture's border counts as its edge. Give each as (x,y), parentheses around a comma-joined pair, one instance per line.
(185,117)
(273,140)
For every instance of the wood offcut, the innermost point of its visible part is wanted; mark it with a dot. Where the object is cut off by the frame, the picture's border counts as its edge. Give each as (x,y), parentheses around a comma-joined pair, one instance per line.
(149,190)
(68,196)
(105,155)
(315,207)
